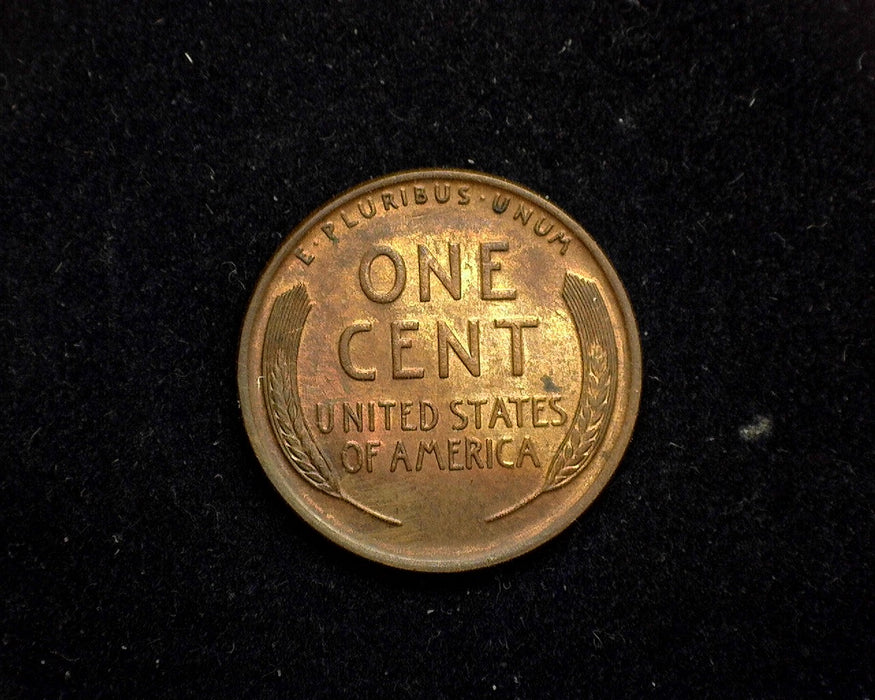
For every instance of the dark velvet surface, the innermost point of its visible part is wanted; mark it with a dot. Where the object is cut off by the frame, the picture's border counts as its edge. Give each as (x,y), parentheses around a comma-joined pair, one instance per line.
(152,157)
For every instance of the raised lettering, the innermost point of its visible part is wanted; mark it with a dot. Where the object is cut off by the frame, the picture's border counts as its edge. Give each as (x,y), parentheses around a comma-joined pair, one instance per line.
(499,203)
(451,281)
(487,267)
(563,240)
(516,326)
(518,405)
(499,411)
(352,465)
(388,201)
(349,224)
(325,426)
(328,230)
(399,455)
(463,419)
(366,280)
(362,375)
(371,449)
(472,453)
(399,371)
(387,412)
(553,402)
(372,210)
(428,446)
(538,408)
(428,415)
(502,441)
(477,403)
(539,227)
(406,407)
(527,449)
(446,339)
(303,256)
(352,416)
(523,214)
(453,447)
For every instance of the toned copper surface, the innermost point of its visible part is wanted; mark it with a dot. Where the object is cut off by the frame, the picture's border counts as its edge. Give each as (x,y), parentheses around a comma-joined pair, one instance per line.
(439,370)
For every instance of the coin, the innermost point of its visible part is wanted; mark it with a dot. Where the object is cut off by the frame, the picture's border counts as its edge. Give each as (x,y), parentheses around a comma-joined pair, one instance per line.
(439,370)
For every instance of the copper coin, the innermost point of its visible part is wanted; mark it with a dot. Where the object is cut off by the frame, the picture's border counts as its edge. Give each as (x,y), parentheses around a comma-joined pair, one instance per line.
(439,370)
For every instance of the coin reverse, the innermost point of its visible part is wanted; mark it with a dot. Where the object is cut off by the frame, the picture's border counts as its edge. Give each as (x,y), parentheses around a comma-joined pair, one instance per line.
(439,370)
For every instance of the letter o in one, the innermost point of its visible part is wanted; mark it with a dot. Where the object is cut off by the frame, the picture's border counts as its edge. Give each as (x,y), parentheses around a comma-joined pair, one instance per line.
(367,284)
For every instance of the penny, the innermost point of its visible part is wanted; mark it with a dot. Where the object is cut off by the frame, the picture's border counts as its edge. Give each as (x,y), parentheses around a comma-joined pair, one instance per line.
(439,370)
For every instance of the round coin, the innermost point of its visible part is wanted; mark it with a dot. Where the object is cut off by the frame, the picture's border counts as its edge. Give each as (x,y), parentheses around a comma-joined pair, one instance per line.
(439,370)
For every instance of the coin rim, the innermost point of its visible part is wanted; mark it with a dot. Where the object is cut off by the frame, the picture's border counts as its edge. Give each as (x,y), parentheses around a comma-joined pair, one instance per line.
(343,538)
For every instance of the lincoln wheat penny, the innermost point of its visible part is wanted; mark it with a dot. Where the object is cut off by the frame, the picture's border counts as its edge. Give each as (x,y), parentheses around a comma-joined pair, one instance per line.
(439,370)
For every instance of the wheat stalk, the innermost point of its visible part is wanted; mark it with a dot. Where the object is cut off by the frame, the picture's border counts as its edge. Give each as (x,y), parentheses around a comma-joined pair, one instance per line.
(280,354)
(581,440)
(289,428)
(579,446)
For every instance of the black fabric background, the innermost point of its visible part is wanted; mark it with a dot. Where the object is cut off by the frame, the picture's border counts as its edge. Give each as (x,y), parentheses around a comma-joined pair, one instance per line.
(154,155)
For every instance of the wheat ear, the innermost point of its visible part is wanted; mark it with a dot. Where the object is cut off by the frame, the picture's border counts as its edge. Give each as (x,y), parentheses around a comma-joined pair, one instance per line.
(588,426)
(596,338)
(283,338)
(279,357)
